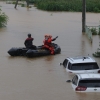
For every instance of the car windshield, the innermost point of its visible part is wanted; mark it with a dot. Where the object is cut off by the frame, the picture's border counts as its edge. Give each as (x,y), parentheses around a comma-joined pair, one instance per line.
(84,66)
(89,83)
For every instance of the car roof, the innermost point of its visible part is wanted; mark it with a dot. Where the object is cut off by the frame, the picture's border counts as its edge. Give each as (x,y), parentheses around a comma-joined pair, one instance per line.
(89,76)
(85,59)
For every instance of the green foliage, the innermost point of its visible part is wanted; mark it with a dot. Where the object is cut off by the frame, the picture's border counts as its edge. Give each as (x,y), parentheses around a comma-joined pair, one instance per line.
(99,32)
(14,2)
(22,5)
(94,31)
(57,5)
(67,5)
(3,19)
(97,53)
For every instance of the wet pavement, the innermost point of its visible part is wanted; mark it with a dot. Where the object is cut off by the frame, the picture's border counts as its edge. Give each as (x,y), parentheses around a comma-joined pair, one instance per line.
(42,78)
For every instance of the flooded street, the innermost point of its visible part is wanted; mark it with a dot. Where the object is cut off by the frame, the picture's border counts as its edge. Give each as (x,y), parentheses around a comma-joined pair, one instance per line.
(42,78)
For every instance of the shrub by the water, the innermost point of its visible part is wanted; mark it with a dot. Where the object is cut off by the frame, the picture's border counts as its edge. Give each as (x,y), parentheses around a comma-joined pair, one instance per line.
(67,5)
(3,19)
(94,31)
(99,32)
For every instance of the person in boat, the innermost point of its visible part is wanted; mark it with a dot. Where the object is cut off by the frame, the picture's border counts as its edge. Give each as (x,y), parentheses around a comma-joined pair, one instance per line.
(29,42)
(48,43)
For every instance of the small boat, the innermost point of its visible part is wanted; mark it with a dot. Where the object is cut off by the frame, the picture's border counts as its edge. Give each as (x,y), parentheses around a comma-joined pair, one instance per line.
(21,51)
(39,51)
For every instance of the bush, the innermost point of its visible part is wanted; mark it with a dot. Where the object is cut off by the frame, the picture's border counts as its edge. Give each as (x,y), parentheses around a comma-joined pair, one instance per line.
(99,32)
(3,19)
(94,31)
(67,5)
(97,53)
(22,5)
(96,9)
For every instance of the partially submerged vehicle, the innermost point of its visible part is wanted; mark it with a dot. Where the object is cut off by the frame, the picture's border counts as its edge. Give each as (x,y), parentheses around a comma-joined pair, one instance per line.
(80,64)
(89,82)
(39,51)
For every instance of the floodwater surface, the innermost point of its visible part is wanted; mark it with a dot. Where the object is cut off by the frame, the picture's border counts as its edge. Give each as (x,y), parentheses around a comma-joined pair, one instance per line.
(42,78)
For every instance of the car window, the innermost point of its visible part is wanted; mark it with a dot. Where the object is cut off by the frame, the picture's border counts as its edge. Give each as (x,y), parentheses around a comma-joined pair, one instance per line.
(84,66)
(90,83)
(69,66)
(74,80)
(65,63)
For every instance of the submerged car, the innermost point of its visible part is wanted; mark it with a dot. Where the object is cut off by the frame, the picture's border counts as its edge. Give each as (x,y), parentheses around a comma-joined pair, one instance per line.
(86,82)
(80,65)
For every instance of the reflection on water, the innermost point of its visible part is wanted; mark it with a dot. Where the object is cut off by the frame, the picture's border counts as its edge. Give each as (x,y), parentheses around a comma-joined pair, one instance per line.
(42,78)
(49,58)
(88,96)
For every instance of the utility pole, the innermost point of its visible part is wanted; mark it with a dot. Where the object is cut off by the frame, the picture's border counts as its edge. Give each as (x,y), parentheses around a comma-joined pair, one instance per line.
(83,15)
(16,3)
(27,3)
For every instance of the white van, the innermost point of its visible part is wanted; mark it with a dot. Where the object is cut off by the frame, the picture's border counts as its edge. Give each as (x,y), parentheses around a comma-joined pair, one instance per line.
(86,82)
(80,65)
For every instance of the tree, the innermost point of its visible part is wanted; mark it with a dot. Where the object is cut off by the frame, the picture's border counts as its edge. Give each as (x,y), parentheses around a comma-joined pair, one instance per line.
(16,3)
(27,1)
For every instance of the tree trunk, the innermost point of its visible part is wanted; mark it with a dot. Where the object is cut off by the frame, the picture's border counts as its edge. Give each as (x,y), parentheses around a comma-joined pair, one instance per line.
(27,3)
(16,3)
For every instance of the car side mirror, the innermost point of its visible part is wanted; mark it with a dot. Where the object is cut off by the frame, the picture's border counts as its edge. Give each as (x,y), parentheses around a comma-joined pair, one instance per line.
(60,64)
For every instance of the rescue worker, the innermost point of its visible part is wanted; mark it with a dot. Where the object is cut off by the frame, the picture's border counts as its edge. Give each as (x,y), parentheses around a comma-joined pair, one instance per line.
(29,42)
(48,43)
(45,41)
(51,48)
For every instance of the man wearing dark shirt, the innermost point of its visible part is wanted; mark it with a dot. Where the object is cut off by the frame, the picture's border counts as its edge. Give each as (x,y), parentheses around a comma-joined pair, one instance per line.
(29,42)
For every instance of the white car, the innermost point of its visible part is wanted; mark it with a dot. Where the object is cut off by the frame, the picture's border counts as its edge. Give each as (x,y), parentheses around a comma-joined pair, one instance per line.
(80,65)
(86,82)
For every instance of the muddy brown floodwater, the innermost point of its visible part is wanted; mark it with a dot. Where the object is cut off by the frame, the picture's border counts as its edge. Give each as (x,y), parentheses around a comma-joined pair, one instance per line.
(42,78)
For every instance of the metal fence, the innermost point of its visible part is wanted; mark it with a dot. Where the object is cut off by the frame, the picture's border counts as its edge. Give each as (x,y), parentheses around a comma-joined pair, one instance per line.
(89,33)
